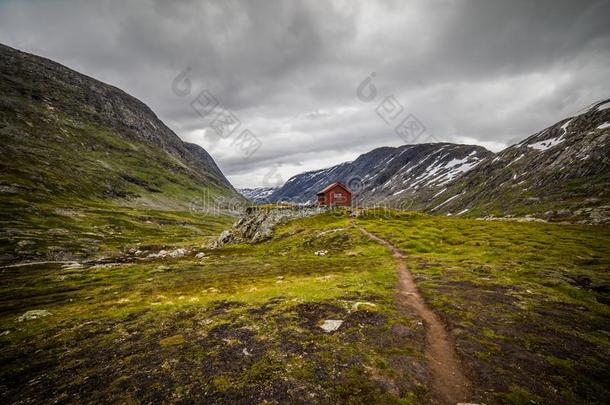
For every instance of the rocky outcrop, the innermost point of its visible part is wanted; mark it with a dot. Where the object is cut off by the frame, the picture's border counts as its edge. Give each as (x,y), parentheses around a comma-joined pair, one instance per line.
(256,225)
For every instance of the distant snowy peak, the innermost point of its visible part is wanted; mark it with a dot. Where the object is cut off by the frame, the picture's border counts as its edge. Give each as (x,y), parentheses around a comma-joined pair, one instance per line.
(257,194)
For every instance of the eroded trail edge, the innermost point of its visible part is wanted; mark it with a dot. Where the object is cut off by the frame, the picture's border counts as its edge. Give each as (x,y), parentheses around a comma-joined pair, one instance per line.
(449,384)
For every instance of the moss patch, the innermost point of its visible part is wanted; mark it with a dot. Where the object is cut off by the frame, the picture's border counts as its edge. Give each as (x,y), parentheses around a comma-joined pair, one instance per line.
(526,302)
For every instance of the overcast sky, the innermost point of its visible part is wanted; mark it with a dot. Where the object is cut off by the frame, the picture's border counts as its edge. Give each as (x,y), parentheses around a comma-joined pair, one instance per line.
(483,72)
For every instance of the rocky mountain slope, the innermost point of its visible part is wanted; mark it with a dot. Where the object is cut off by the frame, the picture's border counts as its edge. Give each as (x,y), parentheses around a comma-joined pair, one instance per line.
(66,136)
(561,172)
(387,175)
(258,195)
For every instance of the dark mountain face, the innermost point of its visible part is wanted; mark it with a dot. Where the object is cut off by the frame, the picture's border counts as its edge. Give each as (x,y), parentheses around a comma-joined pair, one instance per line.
(562,171)
(388,175)
(65,134)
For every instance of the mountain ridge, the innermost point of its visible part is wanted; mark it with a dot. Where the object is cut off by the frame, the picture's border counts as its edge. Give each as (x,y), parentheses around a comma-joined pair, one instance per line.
(566,167)
(115,143)
(380,174)
(84,166)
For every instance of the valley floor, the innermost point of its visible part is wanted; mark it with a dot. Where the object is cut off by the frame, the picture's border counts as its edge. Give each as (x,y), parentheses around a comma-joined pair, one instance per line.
(524,306)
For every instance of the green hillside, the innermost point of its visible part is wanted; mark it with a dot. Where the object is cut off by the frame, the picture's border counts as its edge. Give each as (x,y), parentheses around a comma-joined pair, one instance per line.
(76,153)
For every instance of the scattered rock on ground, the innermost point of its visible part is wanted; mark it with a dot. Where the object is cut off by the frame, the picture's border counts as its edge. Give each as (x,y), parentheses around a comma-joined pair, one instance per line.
(180,252)
(34,314)
(331,325)
(160,254)
(225,237)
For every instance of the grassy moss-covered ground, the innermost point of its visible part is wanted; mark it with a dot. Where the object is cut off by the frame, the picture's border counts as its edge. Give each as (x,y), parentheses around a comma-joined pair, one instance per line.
(527,303)
(70,190)
(241,325)
(69,230)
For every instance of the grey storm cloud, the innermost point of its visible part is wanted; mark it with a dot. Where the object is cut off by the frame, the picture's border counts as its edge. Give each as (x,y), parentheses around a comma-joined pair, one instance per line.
(484,72)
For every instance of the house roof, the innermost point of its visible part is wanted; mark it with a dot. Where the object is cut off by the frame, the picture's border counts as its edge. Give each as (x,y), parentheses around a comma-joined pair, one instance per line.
(333,185)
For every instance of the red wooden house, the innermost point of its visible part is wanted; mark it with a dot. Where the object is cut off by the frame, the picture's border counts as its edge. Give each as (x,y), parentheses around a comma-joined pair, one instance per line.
(335,195)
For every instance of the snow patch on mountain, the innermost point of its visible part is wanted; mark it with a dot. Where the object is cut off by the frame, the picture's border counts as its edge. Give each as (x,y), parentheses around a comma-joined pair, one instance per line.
(547,143)
(603,106)
(445,202)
